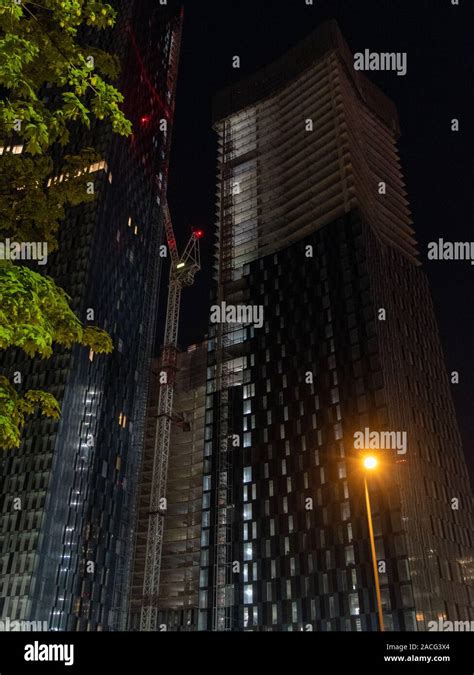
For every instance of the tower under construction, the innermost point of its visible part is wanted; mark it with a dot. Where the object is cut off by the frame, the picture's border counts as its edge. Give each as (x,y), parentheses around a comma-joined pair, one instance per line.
(314,236)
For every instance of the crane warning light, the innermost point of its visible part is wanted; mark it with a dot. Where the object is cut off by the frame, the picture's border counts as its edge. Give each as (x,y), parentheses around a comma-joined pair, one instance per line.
(144,119)
(199,234)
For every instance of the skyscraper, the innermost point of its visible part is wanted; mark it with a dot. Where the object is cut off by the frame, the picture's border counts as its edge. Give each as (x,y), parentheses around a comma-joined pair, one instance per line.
(323,330)
(66,553)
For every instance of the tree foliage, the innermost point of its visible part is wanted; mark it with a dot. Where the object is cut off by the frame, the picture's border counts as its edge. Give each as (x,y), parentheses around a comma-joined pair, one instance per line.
(35,313)
(15,408)
(50,81)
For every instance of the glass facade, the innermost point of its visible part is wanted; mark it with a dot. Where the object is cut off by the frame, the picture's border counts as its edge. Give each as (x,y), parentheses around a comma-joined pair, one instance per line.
(66,551)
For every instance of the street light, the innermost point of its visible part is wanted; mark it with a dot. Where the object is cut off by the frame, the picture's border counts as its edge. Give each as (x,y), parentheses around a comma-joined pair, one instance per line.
(370,463)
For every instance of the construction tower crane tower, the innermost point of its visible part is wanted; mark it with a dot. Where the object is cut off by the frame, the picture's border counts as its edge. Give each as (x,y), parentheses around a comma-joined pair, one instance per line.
(182,273)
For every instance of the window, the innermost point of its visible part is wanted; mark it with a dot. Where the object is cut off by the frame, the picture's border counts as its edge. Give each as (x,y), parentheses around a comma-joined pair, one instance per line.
(345,511)
(407,596)
(349,532)
(247,474)
(403,570)
(249,390)
(247,511)
(269,590)
(354,608)
(274,613)
(349,554)
(248,594)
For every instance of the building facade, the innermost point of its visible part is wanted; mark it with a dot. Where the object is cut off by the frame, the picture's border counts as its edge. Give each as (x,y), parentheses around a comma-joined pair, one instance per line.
(66,552)
(322,328)
(179,572)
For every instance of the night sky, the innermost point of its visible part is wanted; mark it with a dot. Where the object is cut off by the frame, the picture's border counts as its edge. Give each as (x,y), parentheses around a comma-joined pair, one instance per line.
(437,162)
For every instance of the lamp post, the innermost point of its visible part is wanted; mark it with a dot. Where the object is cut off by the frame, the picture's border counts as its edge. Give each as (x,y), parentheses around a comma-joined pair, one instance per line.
(370,463)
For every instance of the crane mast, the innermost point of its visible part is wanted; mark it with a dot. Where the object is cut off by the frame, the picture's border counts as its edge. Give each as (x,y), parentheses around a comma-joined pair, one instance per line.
(182,272)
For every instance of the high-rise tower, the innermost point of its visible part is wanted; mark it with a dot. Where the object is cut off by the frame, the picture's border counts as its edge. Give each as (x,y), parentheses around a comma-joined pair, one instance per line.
(66,555)
(339,337)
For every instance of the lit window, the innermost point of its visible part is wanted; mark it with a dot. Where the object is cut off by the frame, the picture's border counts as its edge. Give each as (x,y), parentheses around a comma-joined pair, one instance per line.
(345,511)
(349,552)
(274,614)
(247,474)
(354,608)
(354,578)
(247,511)
(349,532)
(249,390)
(248,594)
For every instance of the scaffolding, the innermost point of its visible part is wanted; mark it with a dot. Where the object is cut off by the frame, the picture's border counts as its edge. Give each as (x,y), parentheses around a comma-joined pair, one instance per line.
(224,514)
(182,272)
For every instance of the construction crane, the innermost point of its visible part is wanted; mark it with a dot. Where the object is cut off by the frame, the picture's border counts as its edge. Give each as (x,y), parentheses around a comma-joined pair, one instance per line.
(182,272)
